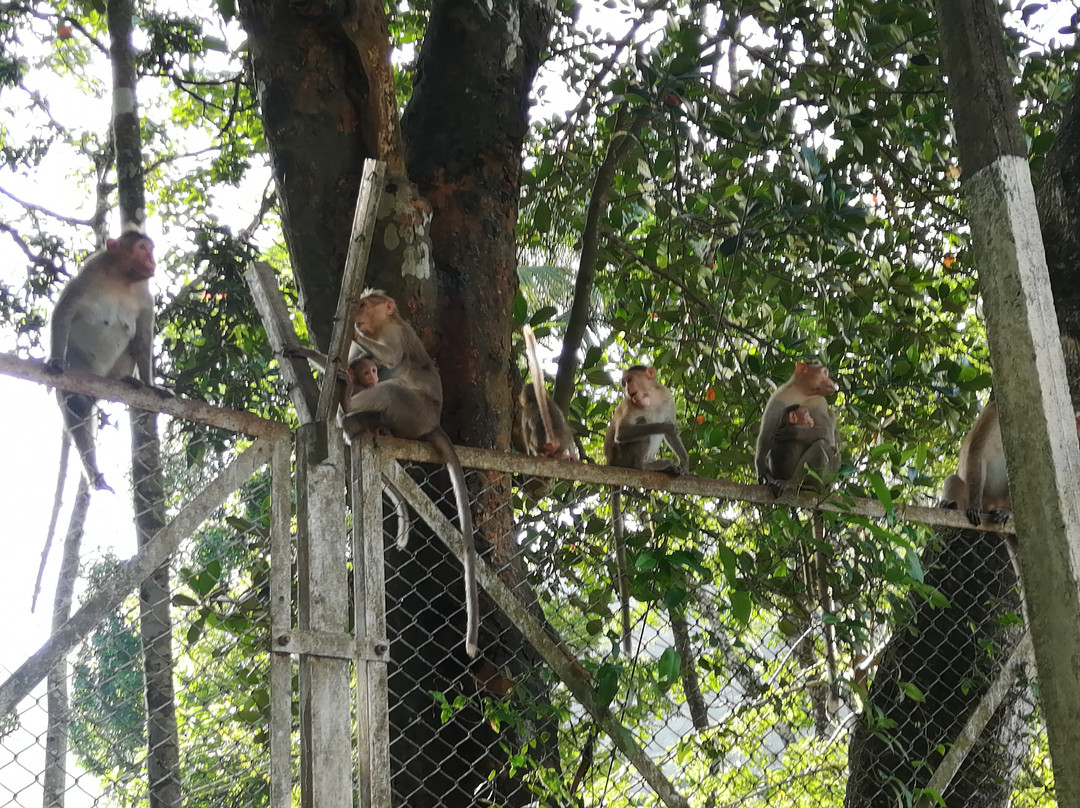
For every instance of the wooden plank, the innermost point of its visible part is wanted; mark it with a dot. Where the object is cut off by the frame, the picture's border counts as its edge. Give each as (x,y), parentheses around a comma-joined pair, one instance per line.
(369,596)
(835,501)
(553,652)
(352,281)
(130,574)
(280,623)
(303,392)
(328,644)
(151,399)
(1037,419)
(322,605)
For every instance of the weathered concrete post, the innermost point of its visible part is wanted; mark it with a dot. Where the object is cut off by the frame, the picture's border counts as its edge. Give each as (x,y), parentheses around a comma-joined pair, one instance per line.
(1037,422)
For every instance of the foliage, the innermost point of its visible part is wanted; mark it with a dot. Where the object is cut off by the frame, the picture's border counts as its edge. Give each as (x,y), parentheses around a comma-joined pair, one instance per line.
(791,192)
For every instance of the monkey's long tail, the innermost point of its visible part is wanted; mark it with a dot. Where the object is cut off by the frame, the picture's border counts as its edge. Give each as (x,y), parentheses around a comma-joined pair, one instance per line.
(461,494)
(621,571)
(58,500)
(537,376)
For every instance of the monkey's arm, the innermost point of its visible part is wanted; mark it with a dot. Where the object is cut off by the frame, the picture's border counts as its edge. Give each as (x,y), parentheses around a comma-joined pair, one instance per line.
(317,360)
(386,354)
(60,325)
(629,433)
(770,424)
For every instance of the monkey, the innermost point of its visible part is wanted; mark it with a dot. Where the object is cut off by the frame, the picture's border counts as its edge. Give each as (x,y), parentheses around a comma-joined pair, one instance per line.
(547,434)
(786,449)
(980,484)
(790,444)
(643,421)
(103,323)
(798,414)
(407,401)
(362,372)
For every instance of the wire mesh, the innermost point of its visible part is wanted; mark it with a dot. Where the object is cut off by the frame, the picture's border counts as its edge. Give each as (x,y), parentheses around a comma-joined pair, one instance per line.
(769,665)
(164,700)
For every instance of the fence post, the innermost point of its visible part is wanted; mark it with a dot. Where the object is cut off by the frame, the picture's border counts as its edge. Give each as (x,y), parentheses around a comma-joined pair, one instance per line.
(322,606)
(369,595)
(280,623)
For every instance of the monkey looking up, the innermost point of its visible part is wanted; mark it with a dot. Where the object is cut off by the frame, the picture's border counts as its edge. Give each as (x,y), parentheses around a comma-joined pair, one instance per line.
(407,401)
(103,323)
(546,432)
(643,421)
(787,449)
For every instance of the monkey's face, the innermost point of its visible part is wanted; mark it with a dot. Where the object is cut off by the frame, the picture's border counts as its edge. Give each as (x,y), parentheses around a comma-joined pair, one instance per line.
(637,384)
(816,380)
(372,314)
(364,373)
(800,416)
(138,257)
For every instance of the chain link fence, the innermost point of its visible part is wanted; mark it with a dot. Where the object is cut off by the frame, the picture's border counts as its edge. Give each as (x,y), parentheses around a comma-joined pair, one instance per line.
(156,690)
(771,663)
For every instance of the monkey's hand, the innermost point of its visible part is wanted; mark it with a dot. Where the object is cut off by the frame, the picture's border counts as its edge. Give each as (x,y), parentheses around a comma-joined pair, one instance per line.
(974,515)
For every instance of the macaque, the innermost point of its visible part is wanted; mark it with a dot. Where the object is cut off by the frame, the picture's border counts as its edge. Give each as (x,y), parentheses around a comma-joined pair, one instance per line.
(787,449)
(643,421)
(798,435)
(103,323)
(542,423)
(981,484)
(364,372)
(407,401)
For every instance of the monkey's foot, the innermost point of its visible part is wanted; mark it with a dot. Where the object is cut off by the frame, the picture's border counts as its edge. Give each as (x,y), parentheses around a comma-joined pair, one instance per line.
(948,504)
(100,484)
(54,366)
(974,515)
(999,516)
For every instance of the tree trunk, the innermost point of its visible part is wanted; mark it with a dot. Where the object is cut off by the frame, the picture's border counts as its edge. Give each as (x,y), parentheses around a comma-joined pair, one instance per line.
(463,133)
(950,655)
(986,778)
(148,500)
(54,781)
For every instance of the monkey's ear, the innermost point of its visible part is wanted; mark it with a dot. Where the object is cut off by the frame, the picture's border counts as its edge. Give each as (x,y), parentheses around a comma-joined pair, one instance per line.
(651,372)
(391,306)
(112,244)
(800,368)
